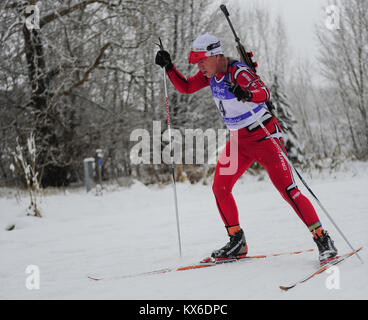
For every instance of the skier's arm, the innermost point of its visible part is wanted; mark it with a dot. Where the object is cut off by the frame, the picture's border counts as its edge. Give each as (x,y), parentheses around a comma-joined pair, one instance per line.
(187,85)
(182,84)
(247,80)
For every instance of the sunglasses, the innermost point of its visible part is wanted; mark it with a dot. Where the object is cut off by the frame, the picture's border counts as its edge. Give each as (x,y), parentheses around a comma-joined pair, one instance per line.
(195,56)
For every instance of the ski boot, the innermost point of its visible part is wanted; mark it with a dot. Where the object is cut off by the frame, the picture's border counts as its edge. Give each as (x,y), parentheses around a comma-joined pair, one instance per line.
(326,247)
(236,248)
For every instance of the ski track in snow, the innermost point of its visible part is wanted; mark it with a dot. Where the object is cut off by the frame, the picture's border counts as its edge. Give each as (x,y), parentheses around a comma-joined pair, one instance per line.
(132,230)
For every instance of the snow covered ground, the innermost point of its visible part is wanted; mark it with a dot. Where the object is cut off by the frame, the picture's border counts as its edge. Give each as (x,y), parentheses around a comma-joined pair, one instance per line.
(132,230)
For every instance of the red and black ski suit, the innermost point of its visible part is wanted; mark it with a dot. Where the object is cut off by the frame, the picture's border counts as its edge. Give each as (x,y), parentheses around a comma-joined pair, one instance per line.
(250,141)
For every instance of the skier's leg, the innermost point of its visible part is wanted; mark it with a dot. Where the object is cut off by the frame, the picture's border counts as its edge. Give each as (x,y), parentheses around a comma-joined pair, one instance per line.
(282,177)
(230,166)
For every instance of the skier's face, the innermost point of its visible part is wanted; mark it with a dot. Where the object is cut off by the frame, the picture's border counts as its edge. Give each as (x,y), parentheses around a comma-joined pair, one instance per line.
(208,66)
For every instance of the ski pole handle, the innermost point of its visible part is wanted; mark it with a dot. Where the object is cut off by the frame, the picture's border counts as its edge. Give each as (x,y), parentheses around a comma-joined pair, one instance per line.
(161,45)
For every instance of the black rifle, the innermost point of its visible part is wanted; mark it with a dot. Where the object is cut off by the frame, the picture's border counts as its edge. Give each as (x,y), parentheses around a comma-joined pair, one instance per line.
(245,57)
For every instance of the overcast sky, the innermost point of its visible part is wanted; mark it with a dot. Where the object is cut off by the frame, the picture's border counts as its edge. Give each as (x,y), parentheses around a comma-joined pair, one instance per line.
(300,17)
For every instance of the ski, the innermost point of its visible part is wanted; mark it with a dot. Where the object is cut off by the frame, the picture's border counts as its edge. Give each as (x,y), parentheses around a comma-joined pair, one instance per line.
(323,268)
(205,263)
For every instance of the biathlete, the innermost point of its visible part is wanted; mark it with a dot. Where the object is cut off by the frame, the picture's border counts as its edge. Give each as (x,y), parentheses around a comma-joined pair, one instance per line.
(237,89)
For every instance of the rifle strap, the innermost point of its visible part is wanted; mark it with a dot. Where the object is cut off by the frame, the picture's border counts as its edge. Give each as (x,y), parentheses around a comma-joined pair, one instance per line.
(231,61)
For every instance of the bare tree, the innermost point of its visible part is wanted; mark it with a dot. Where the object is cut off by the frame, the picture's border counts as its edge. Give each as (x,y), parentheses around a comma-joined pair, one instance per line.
(85,78)
(344,56)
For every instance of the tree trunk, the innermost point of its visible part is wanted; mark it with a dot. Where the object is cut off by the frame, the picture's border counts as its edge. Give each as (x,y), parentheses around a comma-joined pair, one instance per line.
(51,173)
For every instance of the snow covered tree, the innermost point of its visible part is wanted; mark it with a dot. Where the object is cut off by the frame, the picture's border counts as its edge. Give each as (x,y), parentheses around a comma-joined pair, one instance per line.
(68,69)
(27,164)
(343,57)
(286,120)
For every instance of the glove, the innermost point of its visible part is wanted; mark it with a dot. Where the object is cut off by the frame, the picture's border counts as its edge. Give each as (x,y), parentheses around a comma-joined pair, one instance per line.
(240,93)
(163,59)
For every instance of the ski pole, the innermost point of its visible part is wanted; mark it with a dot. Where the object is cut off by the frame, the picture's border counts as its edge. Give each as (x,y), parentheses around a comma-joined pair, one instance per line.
(171,152)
